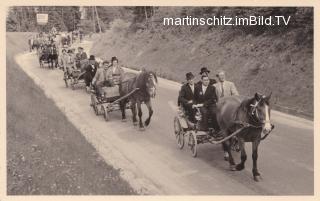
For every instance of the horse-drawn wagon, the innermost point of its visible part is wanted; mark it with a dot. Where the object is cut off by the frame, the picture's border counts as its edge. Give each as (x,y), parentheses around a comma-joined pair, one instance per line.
(109,102)
(240,120)
(75,76)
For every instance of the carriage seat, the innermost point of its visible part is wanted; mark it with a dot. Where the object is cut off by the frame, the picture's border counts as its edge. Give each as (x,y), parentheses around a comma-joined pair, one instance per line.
(110,92)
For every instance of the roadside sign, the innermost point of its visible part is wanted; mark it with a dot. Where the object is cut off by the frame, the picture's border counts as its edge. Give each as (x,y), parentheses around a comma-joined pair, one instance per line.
(42,19)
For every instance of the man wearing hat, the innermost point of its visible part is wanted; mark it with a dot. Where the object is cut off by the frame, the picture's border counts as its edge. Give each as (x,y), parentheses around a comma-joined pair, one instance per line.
(90,71)
(100,79)
(205,71)
(186,96)
(80,57)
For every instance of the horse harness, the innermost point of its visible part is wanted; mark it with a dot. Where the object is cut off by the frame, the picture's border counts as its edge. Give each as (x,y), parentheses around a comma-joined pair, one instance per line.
(254,116)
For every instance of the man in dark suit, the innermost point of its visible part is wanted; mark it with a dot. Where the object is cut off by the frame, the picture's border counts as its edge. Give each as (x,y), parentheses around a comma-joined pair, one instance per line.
(90,71)
(186,96)
(80,57)
(205,71)
(205,96)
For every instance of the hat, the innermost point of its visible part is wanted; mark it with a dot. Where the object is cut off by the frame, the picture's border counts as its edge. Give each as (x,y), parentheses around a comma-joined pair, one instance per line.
(91,57)
(81,48)
(69,51)
(189,76)
(114,59)
(203,70)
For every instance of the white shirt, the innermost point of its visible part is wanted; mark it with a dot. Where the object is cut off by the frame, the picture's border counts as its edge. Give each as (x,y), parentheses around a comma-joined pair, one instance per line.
(204,89)
(192,87)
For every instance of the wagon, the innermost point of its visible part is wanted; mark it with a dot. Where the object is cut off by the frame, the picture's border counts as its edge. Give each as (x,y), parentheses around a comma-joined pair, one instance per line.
(110,102)
(185,129)
(75,76)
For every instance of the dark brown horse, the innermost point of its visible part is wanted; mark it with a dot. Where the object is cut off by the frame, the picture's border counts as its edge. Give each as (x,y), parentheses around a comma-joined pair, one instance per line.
(145,82)
(251,114)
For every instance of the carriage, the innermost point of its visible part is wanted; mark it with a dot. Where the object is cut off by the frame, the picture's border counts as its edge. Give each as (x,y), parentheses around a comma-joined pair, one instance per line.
(240,119)
(184,128)
(110,102)
(75,76)
(48,54)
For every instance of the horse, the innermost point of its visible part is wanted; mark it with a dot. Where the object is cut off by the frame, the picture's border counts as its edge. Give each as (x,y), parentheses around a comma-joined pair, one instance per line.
(252,115)
(53,56)
(44,54)
(35,44)
(145,82)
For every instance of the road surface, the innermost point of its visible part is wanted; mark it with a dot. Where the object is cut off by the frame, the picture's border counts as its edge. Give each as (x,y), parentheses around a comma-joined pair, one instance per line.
(151,159)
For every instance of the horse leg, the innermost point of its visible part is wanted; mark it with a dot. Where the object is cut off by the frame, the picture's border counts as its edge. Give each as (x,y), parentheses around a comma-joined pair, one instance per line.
(141,126)
(240,166)
(255,172)
(227,145)
(149,106)
(123,109)
(134,112)
(225,150)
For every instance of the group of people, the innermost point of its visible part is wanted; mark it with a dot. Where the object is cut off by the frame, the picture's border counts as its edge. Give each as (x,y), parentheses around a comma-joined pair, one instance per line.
(96,74)
(205,93)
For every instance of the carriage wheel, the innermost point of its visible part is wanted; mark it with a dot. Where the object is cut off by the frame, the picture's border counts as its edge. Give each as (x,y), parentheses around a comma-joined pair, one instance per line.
(105,113)
(193,143)
(178,133)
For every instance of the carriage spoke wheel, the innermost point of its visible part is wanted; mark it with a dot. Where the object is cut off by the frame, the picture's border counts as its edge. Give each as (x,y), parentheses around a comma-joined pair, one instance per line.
(105,113)
(178,132)
(193,143)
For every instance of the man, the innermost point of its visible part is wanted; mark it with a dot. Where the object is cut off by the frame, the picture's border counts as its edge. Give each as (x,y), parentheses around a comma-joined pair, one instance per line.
(64,60)
(90,71)
(80,57)
(205,96)
(205,71)
(115,73)
(186,96)
(100,78)
(224,89)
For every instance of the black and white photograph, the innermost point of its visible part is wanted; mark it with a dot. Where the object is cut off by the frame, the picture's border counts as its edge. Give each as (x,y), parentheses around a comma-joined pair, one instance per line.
(159,100)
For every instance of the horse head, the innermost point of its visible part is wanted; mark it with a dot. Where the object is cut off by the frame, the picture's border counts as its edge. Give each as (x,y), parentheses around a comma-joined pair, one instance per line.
(151,83)
(260,111)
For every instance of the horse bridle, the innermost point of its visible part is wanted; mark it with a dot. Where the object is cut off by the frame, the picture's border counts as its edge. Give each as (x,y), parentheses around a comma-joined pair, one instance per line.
(153,88)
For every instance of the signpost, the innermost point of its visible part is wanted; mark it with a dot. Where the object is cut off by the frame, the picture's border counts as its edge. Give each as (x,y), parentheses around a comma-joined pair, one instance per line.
(42,19)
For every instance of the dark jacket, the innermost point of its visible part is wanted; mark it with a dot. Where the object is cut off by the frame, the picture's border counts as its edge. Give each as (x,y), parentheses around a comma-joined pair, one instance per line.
(209,98)
(212,82)
(185,94)
(81,56)
(92,70)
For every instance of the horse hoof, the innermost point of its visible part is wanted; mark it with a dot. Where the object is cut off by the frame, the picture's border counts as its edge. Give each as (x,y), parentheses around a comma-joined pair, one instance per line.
(124,120)
(239,167)
(226,158)
(135,123)
(257,178)
(232,167)
(142,129)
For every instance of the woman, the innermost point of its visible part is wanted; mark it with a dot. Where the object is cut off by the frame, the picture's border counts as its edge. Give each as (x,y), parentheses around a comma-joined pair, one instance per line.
(115,73)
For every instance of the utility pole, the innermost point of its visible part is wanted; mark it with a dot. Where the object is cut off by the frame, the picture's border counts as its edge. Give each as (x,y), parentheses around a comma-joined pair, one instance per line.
(98,19)
(94,23)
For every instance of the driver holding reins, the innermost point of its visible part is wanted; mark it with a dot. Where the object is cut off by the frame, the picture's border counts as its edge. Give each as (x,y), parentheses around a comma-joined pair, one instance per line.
(205,97)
